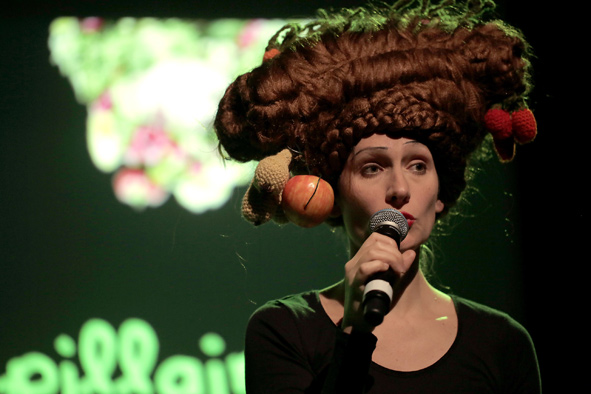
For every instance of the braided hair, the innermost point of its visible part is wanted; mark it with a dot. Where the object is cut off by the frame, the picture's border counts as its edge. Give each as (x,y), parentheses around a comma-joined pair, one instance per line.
(424,70)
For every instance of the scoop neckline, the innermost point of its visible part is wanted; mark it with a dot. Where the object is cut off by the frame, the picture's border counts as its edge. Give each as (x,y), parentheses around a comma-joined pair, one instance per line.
(417,371)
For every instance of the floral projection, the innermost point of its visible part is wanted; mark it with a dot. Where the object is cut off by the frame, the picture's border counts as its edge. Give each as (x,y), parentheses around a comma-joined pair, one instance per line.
(151,88)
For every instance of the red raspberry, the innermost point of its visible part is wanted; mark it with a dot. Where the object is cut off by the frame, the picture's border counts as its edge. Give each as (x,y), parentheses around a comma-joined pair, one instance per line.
(498,123)
(524,125)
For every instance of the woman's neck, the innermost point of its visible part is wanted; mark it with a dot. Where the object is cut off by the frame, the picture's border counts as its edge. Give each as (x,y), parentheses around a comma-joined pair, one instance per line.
(414,297)
(418,297)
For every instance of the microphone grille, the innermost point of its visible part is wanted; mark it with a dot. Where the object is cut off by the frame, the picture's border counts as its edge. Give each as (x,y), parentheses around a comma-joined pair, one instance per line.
(389,216)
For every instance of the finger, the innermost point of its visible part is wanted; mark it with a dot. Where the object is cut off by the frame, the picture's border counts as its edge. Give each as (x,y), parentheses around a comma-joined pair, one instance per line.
(408,258)
(377,239)
(393,258)
(357,274)
(369,268)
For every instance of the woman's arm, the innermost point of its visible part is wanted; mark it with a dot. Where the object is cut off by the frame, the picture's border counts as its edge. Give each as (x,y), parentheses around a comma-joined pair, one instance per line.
(289,352)
(274,354)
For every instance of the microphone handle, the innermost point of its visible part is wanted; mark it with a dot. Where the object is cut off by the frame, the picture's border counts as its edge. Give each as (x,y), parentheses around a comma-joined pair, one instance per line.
(377,297)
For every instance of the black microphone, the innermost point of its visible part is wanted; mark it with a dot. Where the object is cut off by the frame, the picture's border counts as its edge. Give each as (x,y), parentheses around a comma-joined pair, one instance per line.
(378,293)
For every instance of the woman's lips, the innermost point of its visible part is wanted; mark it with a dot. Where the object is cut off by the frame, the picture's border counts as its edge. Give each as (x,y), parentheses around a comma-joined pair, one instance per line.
(409,218)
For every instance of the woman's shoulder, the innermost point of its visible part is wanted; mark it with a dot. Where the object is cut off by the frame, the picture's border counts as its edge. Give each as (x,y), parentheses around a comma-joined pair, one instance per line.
(500,342)
(300,306)
(298,319)
(295,302)
(480,320)
(475,310)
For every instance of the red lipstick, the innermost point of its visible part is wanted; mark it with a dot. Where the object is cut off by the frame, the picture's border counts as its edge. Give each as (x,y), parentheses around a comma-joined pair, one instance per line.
(409,218)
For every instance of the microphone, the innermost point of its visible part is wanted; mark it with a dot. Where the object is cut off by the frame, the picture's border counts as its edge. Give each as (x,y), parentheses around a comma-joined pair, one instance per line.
(378,293)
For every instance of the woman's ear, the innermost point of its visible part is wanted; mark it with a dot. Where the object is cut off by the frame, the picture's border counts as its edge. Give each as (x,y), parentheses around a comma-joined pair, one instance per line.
(439,206)
(336,210)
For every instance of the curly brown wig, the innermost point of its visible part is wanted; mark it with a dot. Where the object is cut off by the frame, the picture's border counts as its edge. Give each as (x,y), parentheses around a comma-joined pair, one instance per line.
(419,69)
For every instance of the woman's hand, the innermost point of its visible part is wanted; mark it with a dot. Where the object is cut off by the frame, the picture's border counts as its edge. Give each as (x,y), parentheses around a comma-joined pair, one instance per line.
(378,253)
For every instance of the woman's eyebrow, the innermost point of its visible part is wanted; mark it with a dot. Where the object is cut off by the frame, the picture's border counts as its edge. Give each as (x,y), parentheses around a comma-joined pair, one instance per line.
(414,142)
(371,148)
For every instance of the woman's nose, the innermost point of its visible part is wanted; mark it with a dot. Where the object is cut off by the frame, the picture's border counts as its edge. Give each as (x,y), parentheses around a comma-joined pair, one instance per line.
(398,192)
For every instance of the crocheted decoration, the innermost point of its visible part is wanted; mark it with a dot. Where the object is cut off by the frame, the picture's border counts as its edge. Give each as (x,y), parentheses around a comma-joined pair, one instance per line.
(499,124)
(507,129)
(262,200)
(524,126)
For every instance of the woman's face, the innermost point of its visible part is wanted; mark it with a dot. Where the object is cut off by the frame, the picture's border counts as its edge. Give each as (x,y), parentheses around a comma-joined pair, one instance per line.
(383,172)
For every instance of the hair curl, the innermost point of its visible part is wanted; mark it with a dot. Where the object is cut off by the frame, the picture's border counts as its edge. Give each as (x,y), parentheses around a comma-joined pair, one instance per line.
(422,70)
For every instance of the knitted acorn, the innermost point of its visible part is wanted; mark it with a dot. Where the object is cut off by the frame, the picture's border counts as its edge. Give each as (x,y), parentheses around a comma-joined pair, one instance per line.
(263,197)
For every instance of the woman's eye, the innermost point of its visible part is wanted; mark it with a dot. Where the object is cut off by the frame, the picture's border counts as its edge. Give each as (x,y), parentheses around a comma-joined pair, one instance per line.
(419,167)
(370,169)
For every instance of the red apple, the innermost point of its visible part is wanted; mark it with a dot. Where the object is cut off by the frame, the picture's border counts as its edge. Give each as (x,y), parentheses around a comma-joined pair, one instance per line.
(307,200)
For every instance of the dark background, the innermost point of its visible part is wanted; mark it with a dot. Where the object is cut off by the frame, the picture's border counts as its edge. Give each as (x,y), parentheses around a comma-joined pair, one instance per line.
(69,251)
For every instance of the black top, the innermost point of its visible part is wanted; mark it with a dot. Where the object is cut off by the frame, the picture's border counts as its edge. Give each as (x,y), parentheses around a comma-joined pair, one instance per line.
(292,346)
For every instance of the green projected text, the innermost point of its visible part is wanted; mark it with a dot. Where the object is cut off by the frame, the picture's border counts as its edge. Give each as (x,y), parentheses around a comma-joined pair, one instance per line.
(124,362)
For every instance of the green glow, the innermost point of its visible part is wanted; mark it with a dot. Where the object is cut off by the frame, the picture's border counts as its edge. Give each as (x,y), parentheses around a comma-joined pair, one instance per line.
(235,363)
(65,346)
(98,355)
(212,344)
(138,354)
(33,373)
(68,375)
(180,374)
(134,350)
(216,377)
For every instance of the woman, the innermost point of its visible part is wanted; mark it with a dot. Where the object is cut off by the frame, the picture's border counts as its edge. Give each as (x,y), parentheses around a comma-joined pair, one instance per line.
(388,105)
